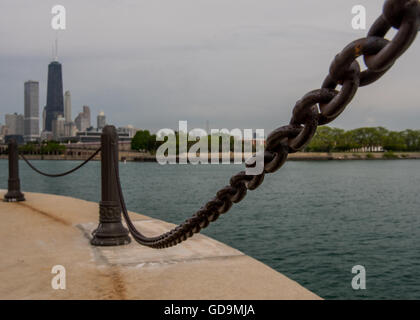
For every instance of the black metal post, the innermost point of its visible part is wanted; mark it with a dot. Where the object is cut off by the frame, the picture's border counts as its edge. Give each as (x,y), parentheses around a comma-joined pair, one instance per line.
(13,194)
(110,231)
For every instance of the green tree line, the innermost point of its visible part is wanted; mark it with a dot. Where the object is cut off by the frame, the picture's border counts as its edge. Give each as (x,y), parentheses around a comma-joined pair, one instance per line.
(329,139)
(48,147)
(326,139)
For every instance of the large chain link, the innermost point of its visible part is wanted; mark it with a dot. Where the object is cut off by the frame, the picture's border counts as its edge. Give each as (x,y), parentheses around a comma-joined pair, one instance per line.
(318,107)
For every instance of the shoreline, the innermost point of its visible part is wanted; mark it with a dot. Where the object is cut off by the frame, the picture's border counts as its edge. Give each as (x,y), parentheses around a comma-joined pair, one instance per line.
(300,156)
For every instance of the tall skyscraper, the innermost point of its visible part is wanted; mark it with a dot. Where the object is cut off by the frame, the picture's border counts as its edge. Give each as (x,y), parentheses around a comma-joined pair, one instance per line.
(55,104)
(67,106)
(31,112)
(101,120)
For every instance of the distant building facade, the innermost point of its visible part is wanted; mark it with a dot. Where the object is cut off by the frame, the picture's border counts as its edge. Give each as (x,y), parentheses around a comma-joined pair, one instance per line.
(46,135)
(44,118)
(95,136)
(14,123)
(31,111)
(86,113)
(67,106)
(81,122)
(129,130)
(101,120)
(3,133)
(83,119)
(58,125)
(70,129)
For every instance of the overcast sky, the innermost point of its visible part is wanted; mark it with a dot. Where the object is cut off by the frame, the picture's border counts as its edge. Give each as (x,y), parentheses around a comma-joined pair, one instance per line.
(236,63)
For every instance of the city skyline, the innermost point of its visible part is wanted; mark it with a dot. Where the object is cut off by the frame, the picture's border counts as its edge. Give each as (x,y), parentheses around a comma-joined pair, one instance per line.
(57,122)
(59,107)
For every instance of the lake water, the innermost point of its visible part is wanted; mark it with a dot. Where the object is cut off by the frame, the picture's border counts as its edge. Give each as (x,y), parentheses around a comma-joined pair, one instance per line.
(312,221)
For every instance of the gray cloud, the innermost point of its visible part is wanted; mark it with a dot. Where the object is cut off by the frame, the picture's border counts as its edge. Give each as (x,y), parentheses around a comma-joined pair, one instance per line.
(236,63)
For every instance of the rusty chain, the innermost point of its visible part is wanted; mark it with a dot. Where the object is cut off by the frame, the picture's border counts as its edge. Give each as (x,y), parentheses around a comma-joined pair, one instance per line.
(318,107)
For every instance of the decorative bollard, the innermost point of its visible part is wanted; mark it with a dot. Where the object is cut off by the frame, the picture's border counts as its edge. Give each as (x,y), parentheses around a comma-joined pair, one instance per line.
(13,194)
(110,231)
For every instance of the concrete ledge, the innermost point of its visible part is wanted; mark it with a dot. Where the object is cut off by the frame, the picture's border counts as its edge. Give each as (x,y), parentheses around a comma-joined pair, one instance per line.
(48,230)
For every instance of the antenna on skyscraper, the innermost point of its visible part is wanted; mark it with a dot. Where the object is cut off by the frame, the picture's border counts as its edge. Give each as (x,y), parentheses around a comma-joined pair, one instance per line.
(56,46)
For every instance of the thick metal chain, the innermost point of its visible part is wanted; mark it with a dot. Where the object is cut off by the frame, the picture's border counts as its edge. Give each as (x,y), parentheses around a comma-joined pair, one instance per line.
(56,175)
(318,107)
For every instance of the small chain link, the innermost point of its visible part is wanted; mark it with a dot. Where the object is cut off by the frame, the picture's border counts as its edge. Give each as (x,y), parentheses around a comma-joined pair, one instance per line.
(51,175)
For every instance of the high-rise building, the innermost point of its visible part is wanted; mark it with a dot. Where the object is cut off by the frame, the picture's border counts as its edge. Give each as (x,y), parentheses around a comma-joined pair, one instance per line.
(83,119)
(101,120)
(80,122)
(67,106)
(31,119)
(86,112)
(58,127)
(55,104)
(14,124)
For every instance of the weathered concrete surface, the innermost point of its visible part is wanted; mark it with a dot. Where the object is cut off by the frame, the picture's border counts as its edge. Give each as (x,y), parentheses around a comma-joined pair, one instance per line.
(48,230)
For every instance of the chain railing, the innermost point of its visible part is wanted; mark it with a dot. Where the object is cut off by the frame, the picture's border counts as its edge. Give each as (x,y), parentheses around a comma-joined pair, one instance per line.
(317,107)
(14,194)
(110,230)
(13,184)
(57,175)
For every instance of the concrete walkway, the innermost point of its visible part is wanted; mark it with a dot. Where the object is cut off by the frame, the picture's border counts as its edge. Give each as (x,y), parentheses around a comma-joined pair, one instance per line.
(48,230)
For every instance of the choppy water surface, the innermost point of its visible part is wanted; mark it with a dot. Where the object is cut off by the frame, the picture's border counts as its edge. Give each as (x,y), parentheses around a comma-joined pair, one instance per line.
(312,221)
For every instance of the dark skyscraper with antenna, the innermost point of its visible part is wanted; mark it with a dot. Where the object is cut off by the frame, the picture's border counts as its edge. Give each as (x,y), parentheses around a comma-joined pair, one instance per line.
(55,105)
